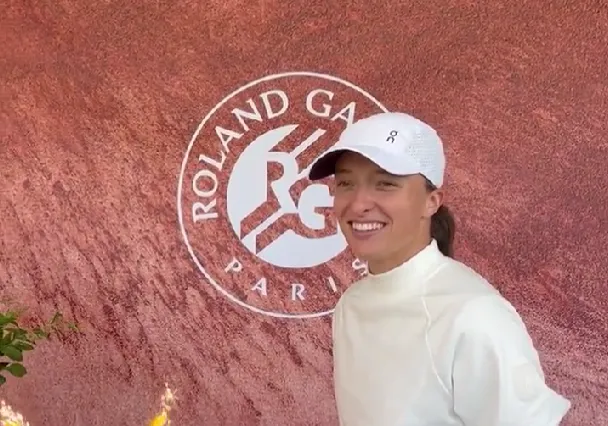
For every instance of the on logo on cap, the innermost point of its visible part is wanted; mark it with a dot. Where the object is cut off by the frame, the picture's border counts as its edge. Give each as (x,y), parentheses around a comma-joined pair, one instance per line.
(391,136)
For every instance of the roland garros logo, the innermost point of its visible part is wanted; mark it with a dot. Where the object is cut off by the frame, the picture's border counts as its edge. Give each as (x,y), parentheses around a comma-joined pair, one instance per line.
(257,229)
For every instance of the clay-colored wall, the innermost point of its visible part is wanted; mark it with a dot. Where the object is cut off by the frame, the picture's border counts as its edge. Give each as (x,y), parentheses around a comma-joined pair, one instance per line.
(100,106)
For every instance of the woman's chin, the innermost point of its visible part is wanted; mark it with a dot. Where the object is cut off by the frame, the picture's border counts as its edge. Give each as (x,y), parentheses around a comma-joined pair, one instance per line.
(365,252)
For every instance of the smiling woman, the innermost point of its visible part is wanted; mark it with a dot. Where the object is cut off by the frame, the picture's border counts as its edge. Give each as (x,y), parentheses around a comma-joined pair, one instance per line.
(423,339)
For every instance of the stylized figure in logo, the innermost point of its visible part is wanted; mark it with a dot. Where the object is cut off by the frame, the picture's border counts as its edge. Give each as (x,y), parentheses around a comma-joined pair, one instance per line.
(285,220)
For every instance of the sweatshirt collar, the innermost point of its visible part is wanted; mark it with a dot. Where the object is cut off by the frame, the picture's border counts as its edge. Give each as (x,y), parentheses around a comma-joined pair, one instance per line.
(408,275)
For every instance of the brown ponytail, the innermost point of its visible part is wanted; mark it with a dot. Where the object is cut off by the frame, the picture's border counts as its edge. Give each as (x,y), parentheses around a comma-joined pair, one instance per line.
(443,227)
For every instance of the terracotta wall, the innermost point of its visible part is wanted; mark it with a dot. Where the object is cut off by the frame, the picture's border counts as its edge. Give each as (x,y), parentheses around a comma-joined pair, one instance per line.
(135,201)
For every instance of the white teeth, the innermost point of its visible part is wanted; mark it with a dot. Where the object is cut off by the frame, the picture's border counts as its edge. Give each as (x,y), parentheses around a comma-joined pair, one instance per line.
(367,226)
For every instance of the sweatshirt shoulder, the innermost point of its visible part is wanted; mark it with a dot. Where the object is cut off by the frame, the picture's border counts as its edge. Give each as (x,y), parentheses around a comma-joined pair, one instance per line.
(455,277)
(353,290)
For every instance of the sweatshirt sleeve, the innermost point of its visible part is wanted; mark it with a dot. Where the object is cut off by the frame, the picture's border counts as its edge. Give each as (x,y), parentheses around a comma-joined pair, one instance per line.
(497,377)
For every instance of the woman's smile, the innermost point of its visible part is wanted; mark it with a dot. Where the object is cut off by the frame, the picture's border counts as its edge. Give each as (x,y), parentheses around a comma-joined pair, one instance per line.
(366,229)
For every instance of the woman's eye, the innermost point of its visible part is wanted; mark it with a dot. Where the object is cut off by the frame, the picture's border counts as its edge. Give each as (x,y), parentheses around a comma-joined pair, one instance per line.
(343,183)
(386,184)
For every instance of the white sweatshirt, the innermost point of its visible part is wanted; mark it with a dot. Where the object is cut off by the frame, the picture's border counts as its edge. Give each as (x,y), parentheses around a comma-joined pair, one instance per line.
(431,343)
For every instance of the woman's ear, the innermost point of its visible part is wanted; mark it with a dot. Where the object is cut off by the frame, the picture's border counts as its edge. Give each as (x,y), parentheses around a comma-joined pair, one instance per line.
(434,200)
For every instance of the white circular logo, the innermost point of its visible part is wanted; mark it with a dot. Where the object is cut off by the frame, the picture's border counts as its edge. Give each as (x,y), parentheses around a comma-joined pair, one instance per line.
(248,190)
(258,230)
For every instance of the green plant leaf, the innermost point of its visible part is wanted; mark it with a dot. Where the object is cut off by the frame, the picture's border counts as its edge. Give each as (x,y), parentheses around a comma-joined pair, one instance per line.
(2,379)
(40,333)
(12,352)
(23,346)
(16,369)
(7,339)
(8,318)
(3,365)
(18,333)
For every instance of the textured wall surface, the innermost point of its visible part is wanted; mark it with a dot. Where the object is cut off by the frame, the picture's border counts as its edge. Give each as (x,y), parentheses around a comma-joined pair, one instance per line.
(99,104)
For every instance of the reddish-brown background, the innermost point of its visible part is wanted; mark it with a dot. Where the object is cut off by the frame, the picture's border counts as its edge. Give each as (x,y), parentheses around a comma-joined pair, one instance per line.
(99,100)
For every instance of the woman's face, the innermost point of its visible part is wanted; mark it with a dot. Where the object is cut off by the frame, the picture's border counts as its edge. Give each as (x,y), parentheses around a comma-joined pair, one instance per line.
(385,218)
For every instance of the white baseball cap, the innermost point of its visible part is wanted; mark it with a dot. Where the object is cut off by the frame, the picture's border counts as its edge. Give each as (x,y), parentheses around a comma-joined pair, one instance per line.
(397,142)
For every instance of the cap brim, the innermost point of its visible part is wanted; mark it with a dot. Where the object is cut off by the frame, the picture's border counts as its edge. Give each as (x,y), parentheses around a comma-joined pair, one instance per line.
(325,165)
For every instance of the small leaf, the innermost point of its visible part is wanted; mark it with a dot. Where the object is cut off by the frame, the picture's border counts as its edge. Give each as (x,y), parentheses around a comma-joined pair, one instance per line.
(23,346)
(57,317)
(19,333)
(7,339)
(40,333)
(2,379)
(16,369)
(8,318)
(12,352)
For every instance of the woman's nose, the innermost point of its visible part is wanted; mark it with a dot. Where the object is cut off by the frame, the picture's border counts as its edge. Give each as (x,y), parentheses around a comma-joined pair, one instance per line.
(361,201)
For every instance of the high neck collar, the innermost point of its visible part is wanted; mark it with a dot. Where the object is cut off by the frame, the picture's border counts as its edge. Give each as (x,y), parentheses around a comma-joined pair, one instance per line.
(408,274)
